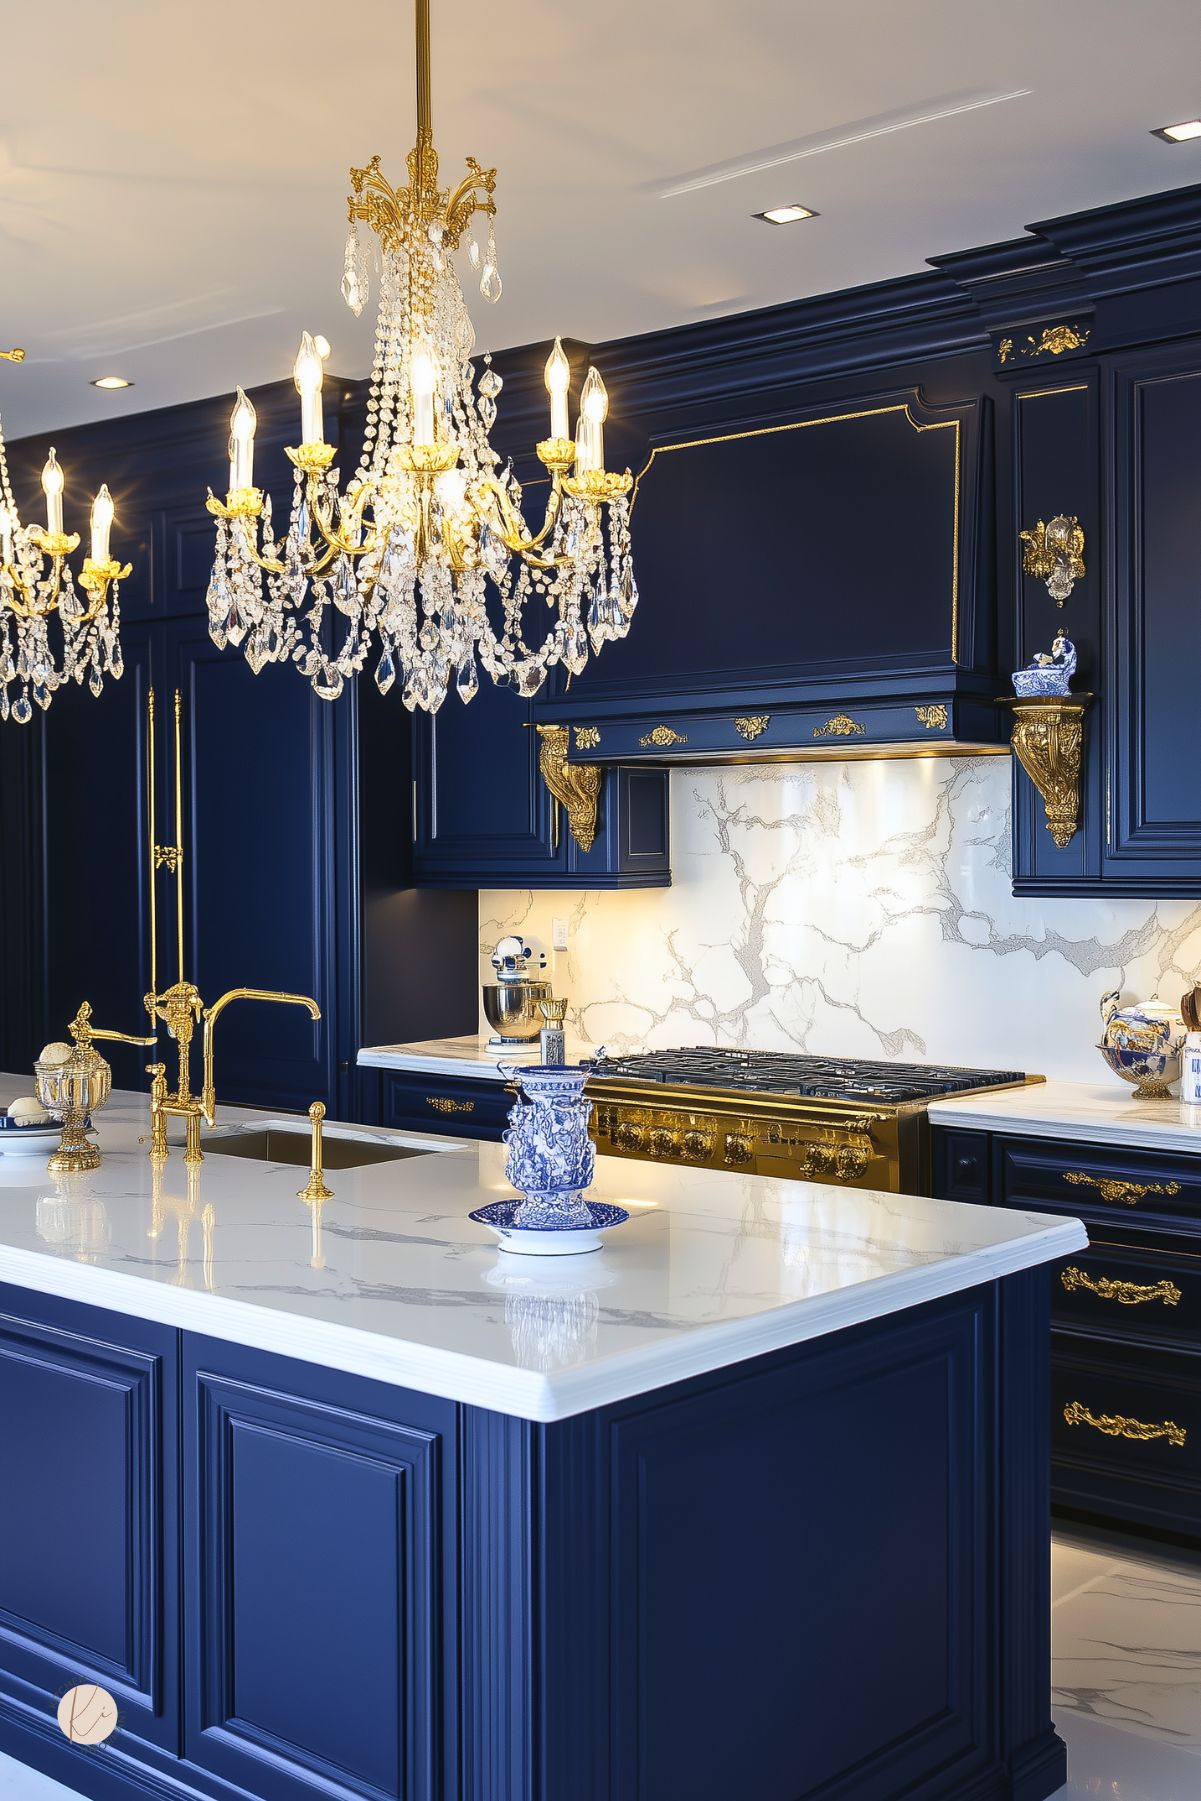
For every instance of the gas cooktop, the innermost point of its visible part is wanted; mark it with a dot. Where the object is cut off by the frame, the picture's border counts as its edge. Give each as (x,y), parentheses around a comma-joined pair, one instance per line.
(783,1073)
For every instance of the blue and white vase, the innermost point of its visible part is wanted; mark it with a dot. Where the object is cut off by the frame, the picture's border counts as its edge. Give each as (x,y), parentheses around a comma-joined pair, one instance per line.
(551,1157)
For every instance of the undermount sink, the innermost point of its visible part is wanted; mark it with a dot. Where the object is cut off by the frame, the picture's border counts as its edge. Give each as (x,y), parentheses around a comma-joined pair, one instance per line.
(289,1144)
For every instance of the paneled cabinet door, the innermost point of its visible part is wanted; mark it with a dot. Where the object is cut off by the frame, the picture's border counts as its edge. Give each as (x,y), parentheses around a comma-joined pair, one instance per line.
(319,1543)
(88,1547)
(260,871)
(1154,626)
(481,813)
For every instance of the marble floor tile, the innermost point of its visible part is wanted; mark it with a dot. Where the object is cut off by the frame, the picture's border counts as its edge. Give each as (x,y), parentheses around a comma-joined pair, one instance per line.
(1126,1673)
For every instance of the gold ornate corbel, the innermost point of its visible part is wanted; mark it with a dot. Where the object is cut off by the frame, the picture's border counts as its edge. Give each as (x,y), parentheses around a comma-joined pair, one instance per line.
(1048,740)
(1054,554)
(575,785)
(752,725)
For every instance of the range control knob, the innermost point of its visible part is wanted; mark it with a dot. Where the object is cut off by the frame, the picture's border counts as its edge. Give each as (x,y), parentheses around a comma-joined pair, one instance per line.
(698,1144)
(665,1142)
(739,1149)
(629,1137)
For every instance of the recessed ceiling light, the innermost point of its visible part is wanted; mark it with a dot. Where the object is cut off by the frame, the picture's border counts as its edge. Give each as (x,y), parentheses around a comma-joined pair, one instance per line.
(785,215)
(1178,134)
(111,381)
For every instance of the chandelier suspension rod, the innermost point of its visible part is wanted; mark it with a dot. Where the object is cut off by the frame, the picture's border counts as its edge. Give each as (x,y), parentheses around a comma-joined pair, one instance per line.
(425,129)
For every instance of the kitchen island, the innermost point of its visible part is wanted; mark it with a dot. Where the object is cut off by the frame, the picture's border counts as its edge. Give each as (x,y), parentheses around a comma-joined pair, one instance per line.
(346,1502)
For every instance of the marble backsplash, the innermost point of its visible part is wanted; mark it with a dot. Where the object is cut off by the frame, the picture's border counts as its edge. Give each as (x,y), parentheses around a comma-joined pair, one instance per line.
(856,908)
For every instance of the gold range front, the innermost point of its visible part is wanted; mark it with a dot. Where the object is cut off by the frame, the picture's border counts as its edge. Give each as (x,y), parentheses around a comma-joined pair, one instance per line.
(848,1143)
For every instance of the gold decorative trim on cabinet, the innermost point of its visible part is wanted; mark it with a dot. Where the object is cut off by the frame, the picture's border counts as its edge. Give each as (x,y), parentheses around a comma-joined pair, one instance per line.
(934,718)
(841,726)
(575,786)
(1129,1294)
(752,725)
(442,1103)
(1113,1188)
(662,735)
(587,737)
(1048,740)
(1119,1425)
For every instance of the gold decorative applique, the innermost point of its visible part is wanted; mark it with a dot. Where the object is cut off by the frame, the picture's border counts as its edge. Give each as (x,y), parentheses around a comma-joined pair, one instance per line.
(442,1103)
(663,736)
(1048,740)
(1119,1425)
(1055,339)
(587,737)
(841,726)
(575,785)
(1112,1188)
(1129,1294)
(752,725)
(1004,350)
(934,718)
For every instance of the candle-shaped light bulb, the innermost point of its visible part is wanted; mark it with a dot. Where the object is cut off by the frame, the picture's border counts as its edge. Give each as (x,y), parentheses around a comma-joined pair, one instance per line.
(590,439)
(241,443)
(423,379)
(558,380)
(309,374)
(102,524)
(52,488)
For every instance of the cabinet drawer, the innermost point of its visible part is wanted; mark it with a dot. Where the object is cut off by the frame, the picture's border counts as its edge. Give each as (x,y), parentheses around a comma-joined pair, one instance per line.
(1139,1188)
(446,1104)
(1133,1291)
(1126,1432)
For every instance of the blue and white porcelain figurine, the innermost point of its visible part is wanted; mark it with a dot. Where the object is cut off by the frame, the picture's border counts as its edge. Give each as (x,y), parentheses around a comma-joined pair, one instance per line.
(551,1161)
(1051,675)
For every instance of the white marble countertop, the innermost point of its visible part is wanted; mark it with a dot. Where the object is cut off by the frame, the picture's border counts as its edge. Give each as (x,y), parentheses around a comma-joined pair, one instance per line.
(1095,1113)
(392,1280)
(469,1056)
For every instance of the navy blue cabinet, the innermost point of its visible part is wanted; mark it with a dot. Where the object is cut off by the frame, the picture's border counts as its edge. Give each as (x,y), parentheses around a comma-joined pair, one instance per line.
(1117,441)
(1125,1413)
(88,1540)
(451,1104)
(484,818)
(319,1579)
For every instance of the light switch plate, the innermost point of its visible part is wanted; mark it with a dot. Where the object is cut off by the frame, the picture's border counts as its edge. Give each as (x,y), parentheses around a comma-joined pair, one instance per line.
(558,934)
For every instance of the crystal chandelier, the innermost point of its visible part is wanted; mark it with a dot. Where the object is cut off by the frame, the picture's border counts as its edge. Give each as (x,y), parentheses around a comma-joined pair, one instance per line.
(425,562)
(36,584)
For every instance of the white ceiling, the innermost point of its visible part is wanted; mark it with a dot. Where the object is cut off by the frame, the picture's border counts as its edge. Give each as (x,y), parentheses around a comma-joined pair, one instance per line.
(172,176)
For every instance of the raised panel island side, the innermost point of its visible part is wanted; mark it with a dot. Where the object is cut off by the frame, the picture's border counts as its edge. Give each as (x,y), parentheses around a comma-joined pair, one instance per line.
(753,1502)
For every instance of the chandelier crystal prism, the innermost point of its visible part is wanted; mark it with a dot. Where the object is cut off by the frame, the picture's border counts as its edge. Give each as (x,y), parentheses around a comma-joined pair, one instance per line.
(37,586)
(425,564)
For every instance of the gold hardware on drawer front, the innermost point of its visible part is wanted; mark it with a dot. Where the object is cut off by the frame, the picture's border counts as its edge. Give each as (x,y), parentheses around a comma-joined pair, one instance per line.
(1118,1425)
(1130,1294)
(1112,1188)
(442,1103)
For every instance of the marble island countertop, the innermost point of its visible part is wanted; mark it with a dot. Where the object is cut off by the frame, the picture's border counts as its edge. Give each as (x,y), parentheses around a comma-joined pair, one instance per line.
(466,1056)
(392,1280)
(1100,1113)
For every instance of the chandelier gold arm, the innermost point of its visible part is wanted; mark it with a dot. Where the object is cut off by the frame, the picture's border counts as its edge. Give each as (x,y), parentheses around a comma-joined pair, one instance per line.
(12,356)
(28,602)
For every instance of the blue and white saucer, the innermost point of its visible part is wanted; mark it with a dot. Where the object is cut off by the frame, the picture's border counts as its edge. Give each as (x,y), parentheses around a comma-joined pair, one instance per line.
(548,1241)
(17,1140)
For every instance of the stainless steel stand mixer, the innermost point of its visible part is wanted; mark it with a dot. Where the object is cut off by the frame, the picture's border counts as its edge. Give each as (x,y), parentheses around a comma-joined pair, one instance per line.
(512,1003)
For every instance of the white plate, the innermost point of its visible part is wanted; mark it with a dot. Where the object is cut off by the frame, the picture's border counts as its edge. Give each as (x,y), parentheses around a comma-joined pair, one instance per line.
(30,1141)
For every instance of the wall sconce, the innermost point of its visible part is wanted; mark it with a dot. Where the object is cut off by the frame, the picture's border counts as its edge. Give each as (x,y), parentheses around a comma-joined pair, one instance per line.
(1054,554)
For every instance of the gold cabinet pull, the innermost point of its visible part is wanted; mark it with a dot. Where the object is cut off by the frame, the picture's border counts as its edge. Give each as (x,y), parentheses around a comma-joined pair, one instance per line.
(1130,1294)
(1118,1425)
(442,1103)
(1112,1188)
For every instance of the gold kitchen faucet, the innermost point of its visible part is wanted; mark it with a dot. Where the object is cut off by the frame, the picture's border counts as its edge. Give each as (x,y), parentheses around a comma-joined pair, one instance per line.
(181,1009)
